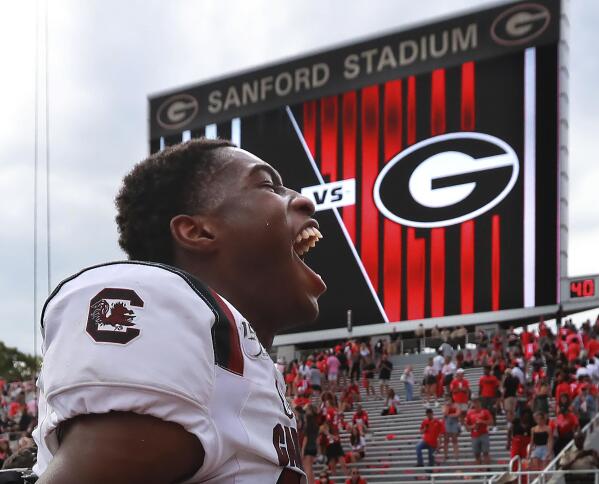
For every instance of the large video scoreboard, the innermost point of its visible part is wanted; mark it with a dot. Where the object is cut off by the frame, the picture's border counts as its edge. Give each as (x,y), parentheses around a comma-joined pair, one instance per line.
(432,155)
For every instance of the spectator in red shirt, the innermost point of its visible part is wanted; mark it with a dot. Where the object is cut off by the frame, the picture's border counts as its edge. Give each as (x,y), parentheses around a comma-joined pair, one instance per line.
(354,389)
(477,421)
(460,391)
(347,401)
(592,347)
(519,434)
(562,388)
(334,450)
(356,478)
(488,392)
(324,478)
(360,419)
(567,425)
(573,349)
(430,428)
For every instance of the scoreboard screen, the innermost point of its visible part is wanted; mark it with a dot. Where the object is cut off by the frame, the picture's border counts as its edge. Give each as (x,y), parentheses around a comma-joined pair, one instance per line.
(431,156)
(582,288)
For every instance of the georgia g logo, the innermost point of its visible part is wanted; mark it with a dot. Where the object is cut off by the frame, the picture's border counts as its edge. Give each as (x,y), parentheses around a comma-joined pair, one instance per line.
(177,111)
(110,318)
(520,24)
(447,179)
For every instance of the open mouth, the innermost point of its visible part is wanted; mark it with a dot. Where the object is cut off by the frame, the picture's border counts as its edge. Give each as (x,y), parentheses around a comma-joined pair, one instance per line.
(306,240)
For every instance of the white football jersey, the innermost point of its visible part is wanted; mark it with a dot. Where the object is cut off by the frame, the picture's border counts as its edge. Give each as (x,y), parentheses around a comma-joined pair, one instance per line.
(150,339)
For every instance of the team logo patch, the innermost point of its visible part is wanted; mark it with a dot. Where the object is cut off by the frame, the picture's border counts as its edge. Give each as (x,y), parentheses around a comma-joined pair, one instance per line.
(250,343)
(111,316)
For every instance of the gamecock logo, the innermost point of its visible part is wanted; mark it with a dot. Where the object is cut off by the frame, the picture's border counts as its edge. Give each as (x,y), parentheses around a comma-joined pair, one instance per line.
(110,318)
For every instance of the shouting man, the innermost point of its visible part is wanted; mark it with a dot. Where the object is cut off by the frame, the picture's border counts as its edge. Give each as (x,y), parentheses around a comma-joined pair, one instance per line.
(155,368)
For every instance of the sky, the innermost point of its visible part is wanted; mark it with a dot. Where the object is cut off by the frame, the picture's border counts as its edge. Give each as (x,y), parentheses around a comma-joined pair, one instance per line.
(106,56)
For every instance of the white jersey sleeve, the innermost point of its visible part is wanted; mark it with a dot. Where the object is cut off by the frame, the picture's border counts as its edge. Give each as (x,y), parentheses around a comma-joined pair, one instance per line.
(128,337)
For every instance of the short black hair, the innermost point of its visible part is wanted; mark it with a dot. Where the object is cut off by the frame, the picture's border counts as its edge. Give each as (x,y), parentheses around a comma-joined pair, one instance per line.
(168,183)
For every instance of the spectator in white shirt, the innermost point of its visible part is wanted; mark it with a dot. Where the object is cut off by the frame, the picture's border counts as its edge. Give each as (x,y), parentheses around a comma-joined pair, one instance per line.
(593,369)
(448,370)
(281,364)
(446,349)
(519,374)
(408,380)
(438,362)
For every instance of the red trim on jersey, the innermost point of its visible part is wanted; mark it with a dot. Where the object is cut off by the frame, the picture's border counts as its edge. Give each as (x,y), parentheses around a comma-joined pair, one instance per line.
(370,168)
(350,121)
(328,137)
(392,130)
(234,360)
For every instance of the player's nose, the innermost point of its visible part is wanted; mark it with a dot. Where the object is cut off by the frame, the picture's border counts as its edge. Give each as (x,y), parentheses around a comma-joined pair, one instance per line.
(302,204)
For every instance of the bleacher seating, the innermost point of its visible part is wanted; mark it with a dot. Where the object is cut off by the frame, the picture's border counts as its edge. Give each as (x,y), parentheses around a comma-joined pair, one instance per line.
(391,440)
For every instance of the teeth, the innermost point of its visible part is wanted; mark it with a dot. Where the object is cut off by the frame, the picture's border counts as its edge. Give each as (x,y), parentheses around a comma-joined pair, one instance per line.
(307,239)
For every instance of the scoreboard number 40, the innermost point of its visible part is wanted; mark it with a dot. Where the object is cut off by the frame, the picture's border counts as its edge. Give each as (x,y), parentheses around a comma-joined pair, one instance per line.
(582,288)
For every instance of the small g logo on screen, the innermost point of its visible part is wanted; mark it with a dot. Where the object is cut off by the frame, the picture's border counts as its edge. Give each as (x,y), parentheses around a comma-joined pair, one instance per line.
(447,179)
(520,24)
(177,111)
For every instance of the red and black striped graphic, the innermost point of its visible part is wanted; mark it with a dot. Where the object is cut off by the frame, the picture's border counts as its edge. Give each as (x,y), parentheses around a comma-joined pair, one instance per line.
(419,273)
(384,271)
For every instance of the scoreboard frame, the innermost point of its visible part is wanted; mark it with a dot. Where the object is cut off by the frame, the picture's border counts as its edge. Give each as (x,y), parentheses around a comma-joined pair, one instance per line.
(203,109)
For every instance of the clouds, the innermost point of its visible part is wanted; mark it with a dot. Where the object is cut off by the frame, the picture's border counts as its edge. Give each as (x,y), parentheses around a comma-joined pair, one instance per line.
(107,56)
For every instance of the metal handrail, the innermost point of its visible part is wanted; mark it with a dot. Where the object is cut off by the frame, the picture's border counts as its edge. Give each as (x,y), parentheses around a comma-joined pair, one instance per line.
(514,459)
(553,464)
(490,479)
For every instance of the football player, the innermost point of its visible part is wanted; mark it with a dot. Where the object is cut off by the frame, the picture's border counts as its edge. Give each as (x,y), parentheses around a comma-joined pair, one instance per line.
(155,368)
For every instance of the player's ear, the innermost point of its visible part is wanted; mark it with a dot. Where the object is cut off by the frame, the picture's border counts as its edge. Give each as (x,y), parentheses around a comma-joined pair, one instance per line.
(194,233)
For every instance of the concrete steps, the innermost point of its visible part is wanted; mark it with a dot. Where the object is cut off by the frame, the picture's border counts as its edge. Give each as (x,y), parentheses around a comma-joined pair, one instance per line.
(391,440)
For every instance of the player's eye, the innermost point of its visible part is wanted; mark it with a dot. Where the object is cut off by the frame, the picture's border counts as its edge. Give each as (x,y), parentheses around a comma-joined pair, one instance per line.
(269,186)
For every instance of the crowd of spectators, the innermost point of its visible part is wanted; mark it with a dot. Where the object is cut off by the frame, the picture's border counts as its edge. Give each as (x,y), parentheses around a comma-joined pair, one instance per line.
(326,384)
(18,418)
(521,372)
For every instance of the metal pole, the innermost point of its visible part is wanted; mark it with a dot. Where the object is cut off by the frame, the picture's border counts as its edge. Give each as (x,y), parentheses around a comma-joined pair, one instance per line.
(349,321)
(35,173)
(49,281)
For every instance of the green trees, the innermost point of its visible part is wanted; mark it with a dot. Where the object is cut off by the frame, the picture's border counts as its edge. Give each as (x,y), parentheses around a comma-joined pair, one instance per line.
(17,366)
